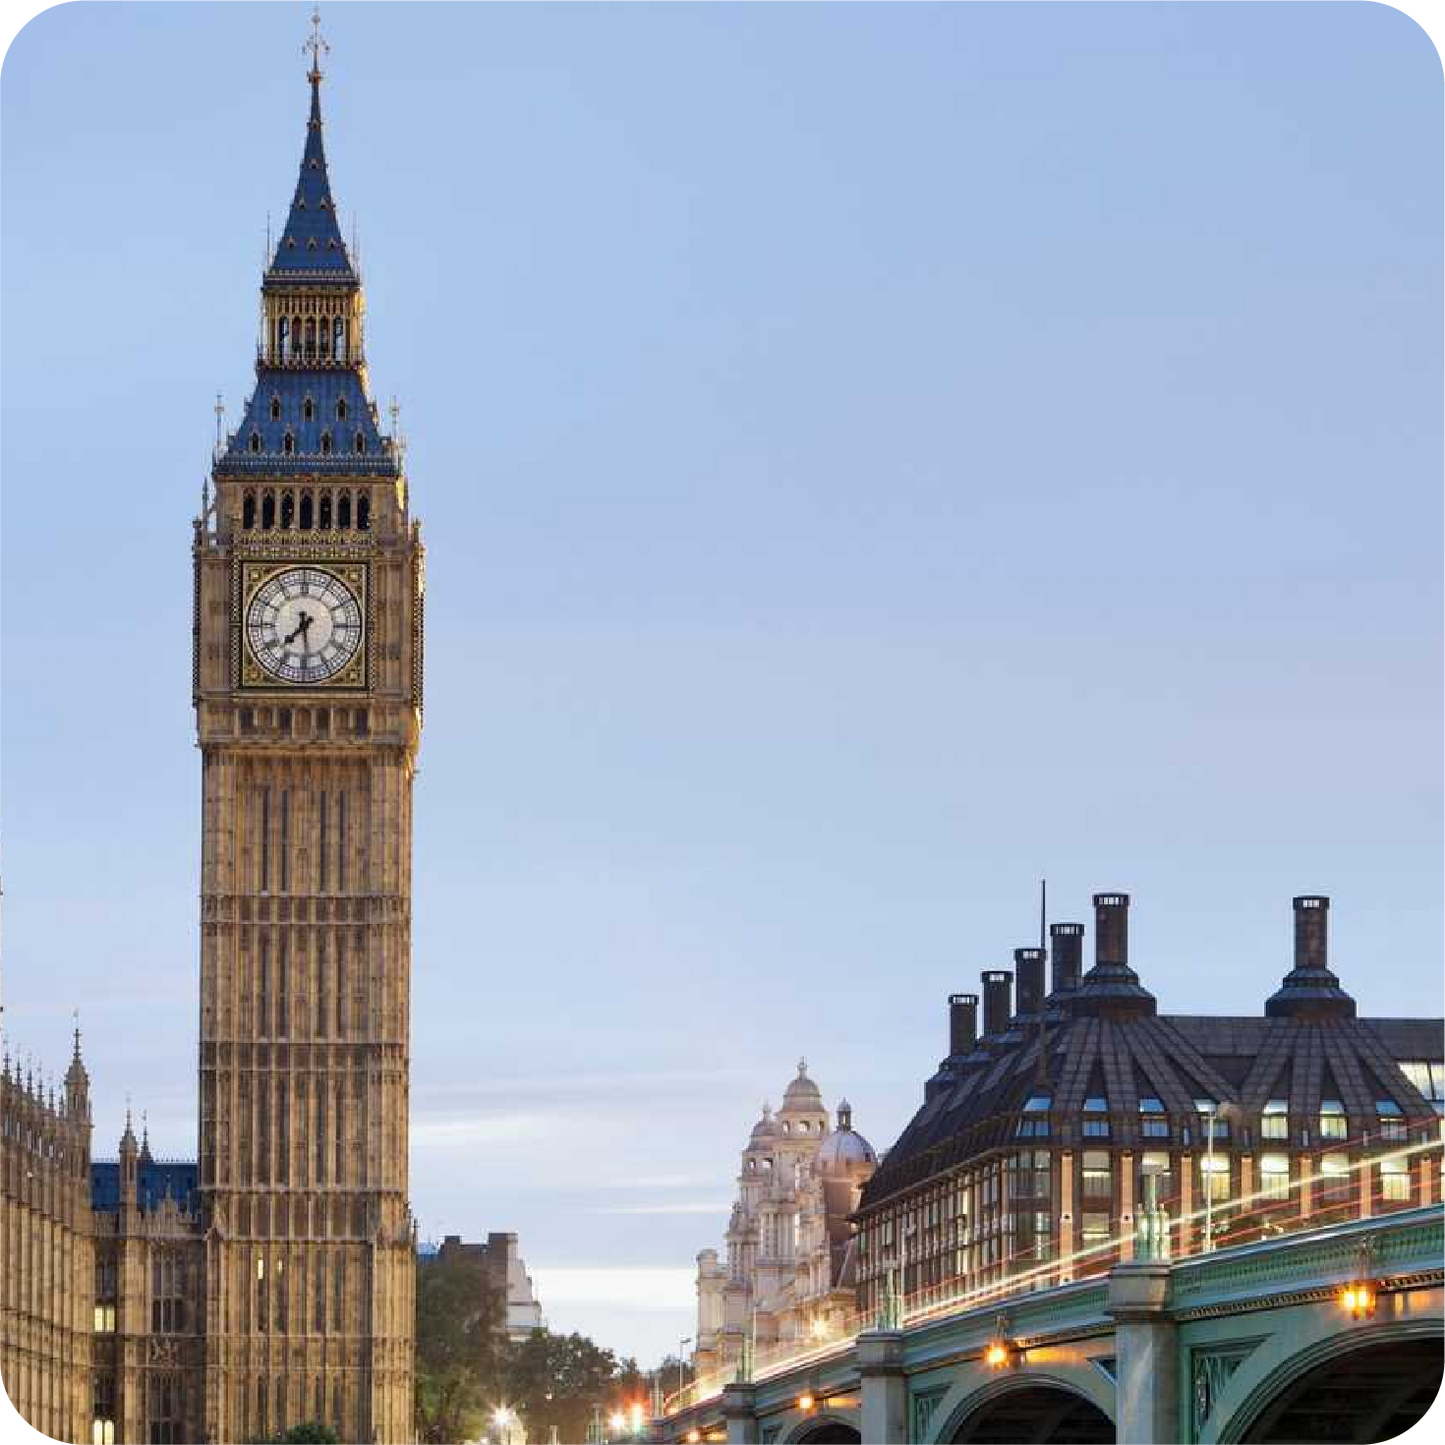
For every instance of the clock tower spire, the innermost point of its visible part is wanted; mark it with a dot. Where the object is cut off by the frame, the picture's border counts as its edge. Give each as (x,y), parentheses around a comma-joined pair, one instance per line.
(307,688)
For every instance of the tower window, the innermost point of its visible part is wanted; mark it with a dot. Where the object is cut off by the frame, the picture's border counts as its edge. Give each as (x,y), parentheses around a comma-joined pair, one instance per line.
(268,509)
(343,511)
(296,335)
(306,511)
(255,441)
(307,409)
(363,513)
(326,444)
(276,400)
(283,331)
(360,443)
(324,518)
(248,510)
(288,444)
(288,509)
(340,408)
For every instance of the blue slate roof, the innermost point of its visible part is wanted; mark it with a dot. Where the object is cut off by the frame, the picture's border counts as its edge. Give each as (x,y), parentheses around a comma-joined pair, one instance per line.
(154,1181)
(311,247)
(324,387)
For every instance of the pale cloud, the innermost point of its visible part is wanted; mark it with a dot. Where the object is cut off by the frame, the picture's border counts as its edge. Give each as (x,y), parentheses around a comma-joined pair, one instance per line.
(472,1130)
(629,1288)
(678,1207)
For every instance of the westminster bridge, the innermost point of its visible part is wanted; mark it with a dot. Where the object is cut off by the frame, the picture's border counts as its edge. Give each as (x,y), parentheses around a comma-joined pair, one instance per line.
(1334,1333)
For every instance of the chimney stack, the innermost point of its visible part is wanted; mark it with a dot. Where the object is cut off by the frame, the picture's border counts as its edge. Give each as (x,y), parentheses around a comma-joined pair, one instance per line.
(1111,929)
(1311,932)
(995,1001)
(1068,948)
(1310,990)
(1111,989)
(962,1023)
(1029,970)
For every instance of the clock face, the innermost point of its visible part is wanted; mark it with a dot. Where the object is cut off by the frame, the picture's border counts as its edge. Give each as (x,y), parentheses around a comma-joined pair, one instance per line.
(304,625)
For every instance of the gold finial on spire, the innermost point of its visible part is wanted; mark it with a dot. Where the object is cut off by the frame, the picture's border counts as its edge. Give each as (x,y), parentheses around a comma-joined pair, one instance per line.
(316,45)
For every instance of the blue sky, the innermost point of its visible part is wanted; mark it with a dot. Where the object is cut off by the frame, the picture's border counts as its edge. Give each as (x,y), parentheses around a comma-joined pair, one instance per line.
(870,458)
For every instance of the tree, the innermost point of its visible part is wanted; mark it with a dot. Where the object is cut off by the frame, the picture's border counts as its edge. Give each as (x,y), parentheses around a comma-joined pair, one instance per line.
(459,1346)
(310,1432)
(557,1380)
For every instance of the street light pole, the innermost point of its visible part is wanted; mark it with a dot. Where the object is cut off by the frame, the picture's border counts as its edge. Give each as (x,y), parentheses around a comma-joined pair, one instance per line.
(681,1363)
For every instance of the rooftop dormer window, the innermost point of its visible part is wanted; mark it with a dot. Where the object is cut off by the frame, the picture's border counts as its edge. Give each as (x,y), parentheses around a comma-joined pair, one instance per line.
(307,409)
(340,408)
(1034,1128)
(1333,1123)
(255,441)
(1274,1122)
(288,444)
(326,444)
(275,408)
(1096,1128)
(360,443)
(1152,1124)
(1429,1079)
(1392,1120)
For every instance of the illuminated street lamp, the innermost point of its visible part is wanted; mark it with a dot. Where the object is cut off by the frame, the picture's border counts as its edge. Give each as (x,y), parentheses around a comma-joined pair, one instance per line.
(1358,1297)
(999,1352)
(503,1418)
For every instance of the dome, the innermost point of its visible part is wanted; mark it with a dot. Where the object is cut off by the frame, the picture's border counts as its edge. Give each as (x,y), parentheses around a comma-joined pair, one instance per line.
(803,1093)
(845,1149)
(764,1129)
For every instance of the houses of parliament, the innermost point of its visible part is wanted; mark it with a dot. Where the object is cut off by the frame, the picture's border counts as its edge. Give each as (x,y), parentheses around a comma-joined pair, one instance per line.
(271,1280)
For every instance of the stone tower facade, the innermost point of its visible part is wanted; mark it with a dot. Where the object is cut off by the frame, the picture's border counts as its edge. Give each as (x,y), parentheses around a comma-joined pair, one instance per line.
(307,683)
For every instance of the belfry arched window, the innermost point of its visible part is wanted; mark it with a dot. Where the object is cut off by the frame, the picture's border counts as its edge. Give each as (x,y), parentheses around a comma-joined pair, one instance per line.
(306,511)
(295,338)
(324,512)
(343,511)
(248,510)
(288,509)
(310,338)
(268,511)
(323,342)
(338,339)
(363,513)
(283,333)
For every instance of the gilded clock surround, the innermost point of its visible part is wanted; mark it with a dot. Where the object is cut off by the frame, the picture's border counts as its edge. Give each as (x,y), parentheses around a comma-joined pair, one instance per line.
(251,576)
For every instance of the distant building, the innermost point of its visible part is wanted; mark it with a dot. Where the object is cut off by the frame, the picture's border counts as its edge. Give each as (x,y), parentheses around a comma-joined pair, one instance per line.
(790,1267)
(508,1276)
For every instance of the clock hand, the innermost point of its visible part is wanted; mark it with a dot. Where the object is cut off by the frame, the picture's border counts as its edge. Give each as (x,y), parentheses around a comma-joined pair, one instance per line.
(300,627)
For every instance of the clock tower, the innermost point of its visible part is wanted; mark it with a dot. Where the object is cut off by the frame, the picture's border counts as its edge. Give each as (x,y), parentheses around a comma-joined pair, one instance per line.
(307,686)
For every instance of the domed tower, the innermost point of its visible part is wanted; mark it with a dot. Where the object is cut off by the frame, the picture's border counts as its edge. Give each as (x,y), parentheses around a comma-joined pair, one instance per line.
(802,1115)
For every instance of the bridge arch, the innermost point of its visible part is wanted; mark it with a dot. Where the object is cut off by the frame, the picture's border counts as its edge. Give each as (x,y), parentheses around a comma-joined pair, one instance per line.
(829,1428)
(1273,1375)
(1074,1389)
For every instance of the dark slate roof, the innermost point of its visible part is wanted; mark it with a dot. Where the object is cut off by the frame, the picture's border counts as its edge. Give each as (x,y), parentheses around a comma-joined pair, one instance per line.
(154,1182)
(324,386)
(973,1101)
(310,246)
